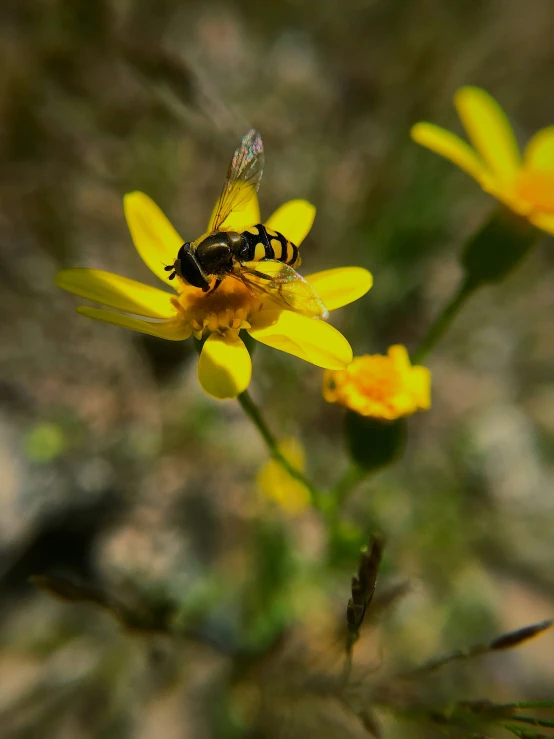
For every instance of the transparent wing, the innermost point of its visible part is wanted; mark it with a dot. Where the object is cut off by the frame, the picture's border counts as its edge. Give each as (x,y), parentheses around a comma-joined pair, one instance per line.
(243,179)
(283,285)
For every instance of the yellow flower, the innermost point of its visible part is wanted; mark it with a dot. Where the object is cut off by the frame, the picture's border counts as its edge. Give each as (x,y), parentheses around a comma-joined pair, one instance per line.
(525,185)
(384,387)
(225,367)
(276,483)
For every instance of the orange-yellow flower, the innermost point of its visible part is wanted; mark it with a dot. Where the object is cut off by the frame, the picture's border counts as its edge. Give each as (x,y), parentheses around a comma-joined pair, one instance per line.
(525,185)
(378,386)
(224,367)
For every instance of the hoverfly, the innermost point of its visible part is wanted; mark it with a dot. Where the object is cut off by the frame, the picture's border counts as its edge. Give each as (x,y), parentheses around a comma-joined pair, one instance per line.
(262,259)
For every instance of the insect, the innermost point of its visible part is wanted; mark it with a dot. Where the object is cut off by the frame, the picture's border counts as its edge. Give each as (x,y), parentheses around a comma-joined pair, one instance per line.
(262,259)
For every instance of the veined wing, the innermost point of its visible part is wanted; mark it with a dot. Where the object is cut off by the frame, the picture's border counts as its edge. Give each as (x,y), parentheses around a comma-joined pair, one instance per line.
(243,179)
(283,285)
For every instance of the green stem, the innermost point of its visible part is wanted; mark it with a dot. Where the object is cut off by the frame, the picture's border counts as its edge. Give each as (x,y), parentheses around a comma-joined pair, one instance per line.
(352,476)
(442,322)
(254,413)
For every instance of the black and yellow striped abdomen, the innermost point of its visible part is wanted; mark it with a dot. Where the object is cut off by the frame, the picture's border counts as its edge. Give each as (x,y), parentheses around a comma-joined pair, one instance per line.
(264,243)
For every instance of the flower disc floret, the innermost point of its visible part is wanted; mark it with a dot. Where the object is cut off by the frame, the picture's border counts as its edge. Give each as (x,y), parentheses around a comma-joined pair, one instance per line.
(228,309)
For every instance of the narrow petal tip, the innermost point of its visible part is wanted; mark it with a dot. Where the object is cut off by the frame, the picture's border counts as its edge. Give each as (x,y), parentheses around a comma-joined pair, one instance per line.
(341,286)
(489,130)
(418,132)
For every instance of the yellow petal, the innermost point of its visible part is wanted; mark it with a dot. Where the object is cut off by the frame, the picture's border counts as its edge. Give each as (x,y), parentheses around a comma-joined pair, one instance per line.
(293,219)
(543,221)
(489,131)
(417,379)
(239,220)
(450,146)
(117,292)
(539,153)
(173,330)
(308,338)
(400,357)
(276,483)
(154,237)
(341,286)
(420,386)
(536,187)
(224,367)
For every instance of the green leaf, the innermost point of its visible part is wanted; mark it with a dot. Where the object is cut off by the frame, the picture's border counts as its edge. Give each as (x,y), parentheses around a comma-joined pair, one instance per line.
(45,442)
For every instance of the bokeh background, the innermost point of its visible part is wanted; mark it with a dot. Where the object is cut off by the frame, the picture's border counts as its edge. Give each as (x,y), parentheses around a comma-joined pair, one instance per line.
(116,470)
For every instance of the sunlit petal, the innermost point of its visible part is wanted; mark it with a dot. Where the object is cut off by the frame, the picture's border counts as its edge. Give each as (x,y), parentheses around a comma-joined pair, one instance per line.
(117,292)
(293,219)
(536,187)
(539,153)
(308,338)
(489,131)
(400,358)
(450,146)
(239,220)
(224,367)
(543,221)
(173,330)
(341,286)
(154,237)
(420,387)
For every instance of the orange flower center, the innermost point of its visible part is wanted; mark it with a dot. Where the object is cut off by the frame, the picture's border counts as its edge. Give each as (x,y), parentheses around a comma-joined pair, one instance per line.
(376,378)
(227,308)
(537,188)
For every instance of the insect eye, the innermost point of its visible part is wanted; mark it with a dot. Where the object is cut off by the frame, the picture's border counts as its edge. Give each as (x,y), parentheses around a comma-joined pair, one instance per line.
(189,269)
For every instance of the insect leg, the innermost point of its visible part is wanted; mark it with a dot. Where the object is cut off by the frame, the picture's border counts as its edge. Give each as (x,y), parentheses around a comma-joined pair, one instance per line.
(214,288)
(171,268)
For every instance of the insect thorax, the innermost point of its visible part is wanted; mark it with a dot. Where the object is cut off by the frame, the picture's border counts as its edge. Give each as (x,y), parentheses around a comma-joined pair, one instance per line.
(214,253)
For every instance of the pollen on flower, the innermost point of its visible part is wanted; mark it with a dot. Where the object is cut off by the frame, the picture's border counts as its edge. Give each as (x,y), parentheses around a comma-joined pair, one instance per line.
(385,387)
(224,310)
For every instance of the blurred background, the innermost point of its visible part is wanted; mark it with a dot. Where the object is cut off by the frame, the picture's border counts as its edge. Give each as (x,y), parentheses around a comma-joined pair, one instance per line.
(118,472)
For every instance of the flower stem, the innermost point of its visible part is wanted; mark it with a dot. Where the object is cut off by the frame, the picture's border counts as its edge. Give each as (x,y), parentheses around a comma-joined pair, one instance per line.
(442,322)
(254,413)
(351,477)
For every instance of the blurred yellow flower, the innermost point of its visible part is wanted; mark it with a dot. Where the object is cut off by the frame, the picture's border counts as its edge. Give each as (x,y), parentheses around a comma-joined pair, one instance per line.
(525,185)
(224,367)
(378,386)
(276,484)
